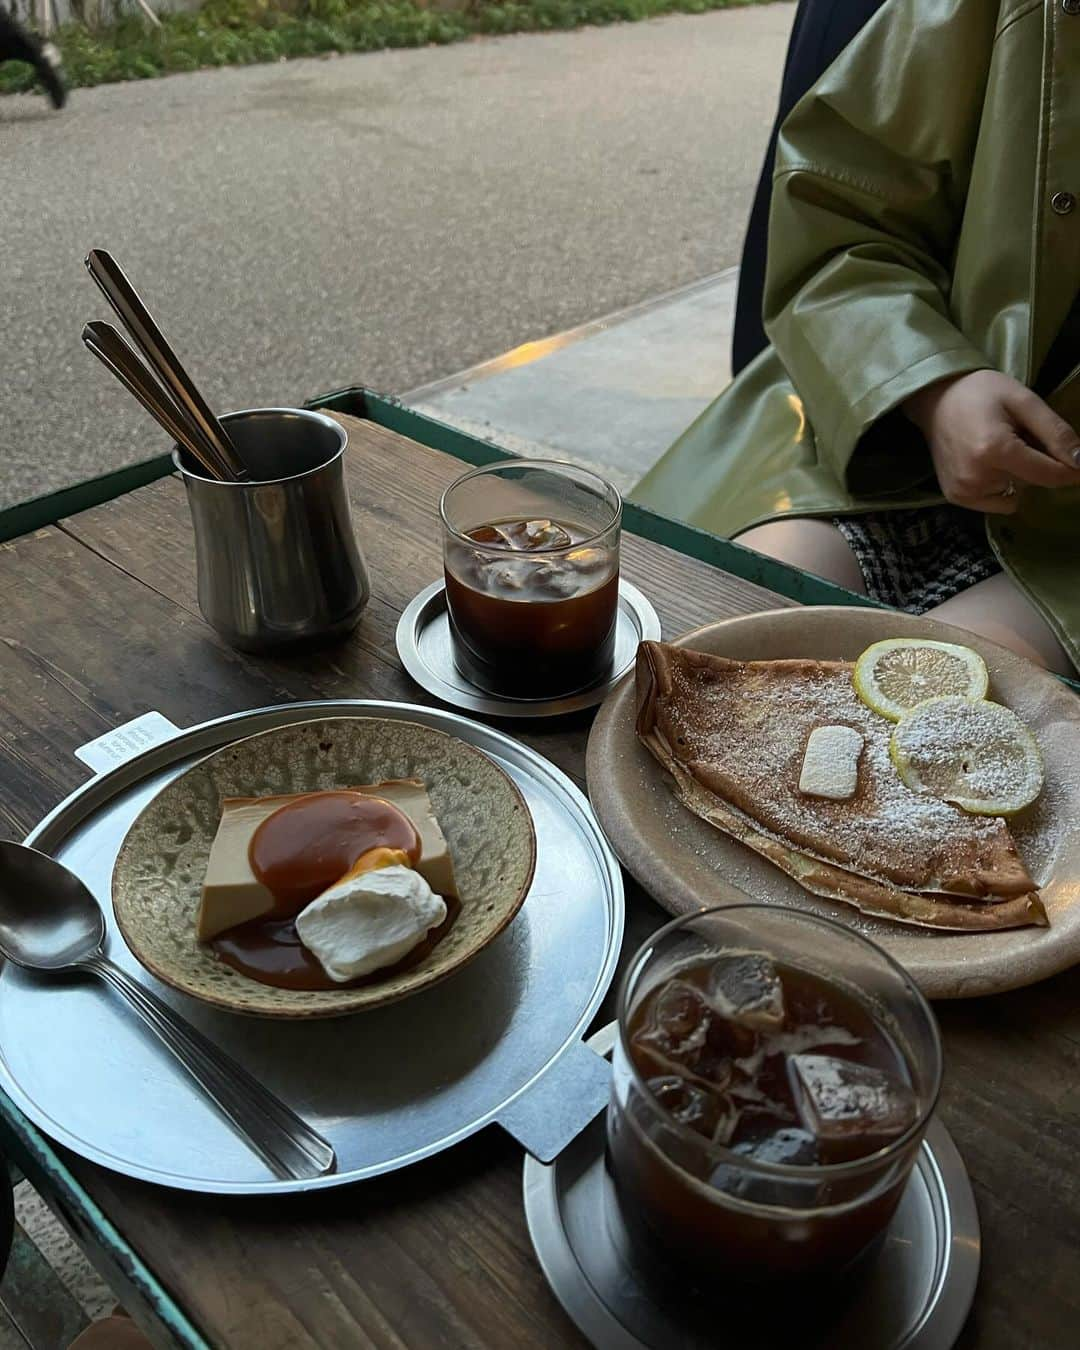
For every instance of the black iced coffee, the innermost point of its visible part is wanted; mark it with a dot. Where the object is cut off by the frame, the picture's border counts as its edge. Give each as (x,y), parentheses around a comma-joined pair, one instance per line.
(533,607)
(764,1118)
(531,561)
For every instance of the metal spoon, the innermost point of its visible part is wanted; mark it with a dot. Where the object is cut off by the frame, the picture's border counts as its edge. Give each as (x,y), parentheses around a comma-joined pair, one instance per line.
(164,362)
(51,923)
(108,345)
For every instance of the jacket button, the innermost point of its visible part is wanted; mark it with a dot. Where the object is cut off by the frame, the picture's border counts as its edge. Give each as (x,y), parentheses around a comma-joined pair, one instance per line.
(1071,6)
(1063,202)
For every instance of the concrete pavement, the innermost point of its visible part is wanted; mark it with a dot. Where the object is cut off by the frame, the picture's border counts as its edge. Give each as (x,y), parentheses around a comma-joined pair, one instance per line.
(382,219)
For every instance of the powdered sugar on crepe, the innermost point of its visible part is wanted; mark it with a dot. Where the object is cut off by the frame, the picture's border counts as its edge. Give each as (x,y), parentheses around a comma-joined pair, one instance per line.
(741,729)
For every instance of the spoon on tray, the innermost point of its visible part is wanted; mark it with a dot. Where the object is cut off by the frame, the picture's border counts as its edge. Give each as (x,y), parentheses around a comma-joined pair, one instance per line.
(51,923)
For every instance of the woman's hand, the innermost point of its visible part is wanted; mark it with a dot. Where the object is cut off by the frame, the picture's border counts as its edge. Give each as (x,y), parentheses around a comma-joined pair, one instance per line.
(987,434)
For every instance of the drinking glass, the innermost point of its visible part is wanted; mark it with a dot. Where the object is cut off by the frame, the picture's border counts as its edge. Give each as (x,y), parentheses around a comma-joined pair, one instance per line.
(533,600)
(693,1210)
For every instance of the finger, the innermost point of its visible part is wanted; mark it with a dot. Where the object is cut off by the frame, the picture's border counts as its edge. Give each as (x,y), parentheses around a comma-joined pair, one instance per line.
(1052,432)
(1023,461)
(976,496)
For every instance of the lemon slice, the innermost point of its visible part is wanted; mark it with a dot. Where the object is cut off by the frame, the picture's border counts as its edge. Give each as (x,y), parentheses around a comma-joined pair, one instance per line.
(978,755)
(898,673)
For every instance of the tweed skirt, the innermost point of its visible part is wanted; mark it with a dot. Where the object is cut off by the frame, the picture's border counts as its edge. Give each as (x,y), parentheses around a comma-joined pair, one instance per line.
(916,559)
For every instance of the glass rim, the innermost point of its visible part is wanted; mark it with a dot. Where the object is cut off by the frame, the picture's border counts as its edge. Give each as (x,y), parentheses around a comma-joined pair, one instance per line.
(790,1171)
(554,466)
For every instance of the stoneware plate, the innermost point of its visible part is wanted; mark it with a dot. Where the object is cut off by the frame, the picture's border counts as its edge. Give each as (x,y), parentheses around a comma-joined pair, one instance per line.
(686,864)
(158,875)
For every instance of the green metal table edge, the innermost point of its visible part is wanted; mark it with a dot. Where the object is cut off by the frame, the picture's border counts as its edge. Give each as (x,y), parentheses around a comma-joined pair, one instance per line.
(125,1272)
(674,534)
(393,414)
(129,1278)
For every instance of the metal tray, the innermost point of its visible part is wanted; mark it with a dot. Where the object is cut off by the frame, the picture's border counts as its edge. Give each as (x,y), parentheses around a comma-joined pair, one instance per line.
(498,1042)
(916,1296)
(423,644)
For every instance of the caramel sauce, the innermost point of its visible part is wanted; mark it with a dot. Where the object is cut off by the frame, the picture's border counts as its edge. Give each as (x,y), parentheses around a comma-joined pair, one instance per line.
(269,950)
(308,844)
(303,848)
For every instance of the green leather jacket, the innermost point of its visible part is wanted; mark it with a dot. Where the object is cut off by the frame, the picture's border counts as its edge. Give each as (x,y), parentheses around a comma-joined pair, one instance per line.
(923,225)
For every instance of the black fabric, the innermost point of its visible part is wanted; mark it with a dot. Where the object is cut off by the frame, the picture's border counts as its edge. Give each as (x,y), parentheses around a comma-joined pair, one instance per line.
(916,559)
(821,31)
(1064,356)
(15,43)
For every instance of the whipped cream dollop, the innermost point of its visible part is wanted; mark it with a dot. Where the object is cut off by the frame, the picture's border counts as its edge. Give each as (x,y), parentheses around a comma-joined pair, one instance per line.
(363,923)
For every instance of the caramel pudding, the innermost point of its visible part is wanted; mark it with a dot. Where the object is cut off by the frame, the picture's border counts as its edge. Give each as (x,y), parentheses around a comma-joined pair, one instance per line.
(323,889)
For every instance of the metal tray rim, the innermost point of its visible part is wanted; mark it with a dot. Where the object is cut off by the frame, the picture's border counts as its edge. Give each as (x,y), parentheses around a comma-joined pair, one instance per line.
(210,735)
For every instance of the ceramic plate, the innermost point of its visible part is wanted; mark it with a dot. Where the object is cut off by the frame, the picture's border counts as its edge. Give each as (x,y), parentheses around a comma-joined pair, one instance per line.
(158,875)
(687,864)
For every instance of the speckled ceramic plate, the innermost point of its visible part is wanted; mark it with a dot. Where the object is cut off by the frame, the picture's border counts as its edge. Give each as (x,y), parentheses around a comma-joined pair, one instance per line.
(159,871)
(686,864)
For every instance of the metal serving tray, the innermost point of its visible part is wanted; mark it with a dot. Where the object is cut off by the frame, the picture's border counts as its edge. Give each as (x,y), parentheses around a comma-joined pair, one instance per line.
(499,1042)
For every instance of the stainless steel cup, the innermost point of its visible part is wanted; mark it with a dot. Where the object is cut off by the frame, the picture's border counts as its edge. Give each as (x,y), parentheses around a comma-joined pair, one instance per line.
(278,563)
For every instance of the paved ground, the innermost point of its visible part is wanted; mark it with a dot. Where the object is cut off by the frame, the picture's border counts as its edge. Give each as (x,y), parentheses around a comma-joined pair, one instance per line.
(386,219)
(611,394)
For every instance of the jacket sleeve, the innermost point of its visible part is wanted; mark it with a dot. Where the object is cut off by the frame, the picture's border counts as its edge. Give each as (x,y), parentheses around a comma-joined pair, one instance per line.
(869,192)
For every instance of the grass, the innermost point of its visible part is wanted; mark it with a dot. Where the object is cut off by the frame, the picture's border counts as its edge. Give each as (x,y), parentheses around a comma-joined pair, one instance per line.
(246,32)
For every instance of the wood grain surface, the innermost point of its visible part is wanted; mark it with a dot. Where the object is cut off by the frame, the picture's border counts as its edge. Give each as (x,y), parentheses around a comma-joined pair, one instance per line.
(99,623)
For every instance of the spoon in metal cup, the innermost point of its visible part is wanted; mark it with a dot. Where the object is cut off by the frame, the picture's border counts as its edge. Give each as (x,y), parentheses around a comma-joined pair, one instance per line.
(166,365)
(51,923)
(108,345)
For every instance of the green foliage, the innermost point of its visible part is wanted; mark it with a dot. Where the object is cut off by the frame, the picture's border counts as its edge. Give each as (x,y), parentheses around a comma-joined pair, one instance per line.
(246,32)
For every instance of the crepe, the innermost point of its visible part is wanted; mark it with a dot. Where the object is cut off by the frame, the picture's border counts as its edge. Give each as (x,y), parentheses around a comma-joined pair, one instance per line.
(733,734)
(158,875)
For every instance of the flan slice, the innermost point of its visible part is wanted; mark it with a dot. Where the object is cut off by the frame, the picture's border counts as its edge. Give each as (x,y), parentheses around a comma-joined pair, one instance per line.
(233,895)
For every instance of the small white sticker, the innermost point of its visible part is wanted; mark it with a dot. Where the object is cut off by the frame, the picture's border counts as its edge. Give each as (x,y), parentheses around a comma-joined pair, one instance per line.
(123,743)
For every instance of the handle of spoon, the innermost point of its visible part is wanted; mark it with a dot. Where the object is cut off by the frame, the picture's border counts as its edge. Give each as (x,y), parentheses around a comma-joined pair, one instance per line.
(108,345)
(285,1142)
(150,340)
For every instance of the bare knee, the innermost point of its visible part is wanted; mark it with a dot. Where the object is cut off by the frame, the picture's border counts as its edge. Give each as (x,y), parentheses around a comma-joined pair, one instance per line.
(811,545)
(998,610)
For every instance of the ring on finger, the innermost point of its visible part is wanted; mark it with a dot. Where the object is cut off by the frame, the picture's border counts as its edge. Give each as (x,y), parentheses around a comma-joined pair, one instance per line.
(1009,490)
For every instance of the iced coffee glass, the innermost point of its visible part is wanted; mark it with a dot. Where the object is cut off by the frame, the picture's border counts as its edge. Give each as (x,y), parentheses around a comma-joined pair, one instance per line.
(774,1074)
(531,557)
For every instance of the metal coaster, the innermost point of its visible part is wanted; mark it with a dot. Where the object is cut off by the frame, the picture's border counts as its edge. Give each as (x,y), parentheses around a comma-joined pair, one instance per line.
(423,644)
(915,1296)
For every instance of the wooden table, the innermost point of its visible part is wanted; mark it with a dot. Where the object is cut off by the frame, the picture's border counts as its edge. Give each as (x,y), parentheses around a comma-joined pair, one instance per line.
(99,624)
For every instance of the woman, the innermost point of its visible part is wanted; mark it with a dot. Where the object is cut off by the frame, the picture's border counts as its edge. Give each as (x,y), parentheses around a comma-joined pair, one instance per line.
(911,431)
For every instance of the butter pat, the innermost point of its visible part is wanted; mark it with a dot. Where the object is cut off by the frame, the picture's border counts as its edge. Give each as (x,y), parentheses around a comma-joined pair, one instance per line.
(231,893)
(366,922)
(830,765)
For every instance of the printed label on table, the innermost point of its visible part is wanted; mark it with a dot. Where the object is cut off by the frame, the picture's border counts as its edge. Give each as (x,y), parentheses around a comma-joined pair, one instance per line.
(123,743)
